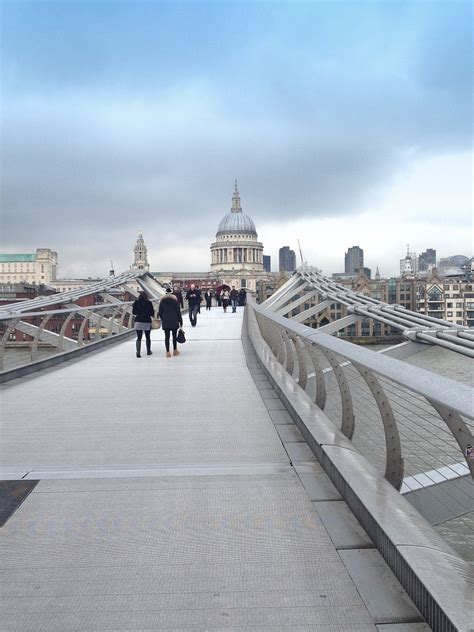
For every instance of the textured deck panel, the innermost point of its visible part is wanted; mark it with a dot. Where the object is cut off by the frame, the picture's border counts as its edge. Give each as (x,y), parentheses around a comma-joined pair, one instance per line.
(114,409)
(233,554)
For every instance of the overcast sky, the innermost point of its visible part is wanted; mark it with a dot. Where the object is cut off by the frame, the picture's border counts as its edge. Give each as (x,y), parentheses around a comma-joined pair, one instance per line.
(345,123)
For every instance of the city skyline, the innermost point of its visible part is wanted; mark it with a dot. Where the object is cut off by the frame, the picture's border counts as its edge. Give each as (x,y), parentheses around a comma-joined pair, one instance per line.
(126,119)
(274,268)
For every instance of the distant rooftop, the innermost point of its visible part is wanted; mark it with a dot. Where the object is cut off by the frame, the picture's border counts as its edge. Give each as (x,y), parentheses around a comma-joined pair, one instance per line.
(16,257)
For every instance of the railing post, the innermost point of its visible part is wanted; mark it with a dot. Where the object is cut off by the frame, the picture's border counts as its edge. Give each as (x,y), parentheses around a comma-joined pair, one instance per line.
(459,430)
(10,327)
(34,345)
(320,399)
(393,448)
(348,419)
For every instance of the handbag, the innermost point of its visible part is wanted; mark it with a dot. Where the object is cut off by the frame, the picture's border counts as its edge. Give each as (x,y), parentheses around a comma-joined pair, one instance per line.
(181,338)
(155,323)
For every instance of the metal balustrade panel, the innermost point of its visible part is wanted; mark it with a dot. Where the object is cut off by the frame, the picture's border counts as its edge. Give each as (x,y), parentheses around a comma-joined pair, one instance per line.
(424,419)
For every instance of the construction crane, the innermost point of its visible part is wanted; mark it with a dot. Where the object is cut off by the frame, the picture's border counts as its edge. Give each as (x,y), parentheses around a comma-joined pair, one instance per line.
(303,262)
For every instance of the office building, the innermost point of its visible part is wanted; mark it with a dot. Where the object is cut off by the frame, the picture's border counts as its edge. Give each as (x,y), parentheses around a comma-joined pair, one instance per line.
(287,259)
(353,260)
(427,260)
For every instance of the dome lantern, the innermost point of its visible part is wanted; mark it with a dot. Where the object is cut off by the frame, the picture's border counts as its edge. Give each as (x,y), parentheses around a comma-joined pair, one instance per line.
(236,208)
(235,221)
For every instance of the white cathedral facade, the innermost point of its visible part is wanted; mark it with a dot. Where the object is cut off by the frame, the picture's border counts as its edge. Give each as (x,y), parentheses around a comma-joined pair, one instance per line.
(236,255)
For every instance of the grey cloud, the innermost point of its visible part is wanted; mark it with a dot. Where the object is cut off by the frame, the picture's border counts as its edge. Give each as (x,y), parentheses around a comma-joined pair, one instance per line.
(310,141)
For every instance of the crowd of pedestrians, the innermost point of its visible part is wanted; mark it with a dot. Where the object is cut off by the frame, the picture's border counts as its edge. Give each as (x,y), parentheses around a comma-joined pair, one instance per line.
(169,312)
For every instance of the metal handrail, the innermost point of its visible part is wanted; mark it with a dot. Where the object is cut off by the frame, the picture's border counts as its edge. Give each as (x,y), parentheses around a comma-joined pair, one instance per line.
(73,295)
(77,309)
(451,400)
(112,323)
(412,325)
(59,312)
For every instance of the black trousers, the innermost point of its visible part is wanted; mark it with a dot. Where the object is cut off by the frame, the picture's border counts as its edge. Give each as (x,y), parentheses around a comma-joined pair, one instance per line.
(174,333)
(147,337)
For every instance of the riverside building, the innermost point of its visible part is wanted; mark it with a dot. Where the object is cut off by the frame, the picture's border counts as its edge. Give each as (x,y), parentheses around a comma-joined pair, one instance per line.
(39,268)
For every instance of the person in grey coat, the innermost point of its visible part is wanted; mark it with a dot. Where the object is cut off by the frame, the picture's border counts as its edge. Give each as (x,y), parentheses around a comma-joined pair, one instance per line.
(171,319)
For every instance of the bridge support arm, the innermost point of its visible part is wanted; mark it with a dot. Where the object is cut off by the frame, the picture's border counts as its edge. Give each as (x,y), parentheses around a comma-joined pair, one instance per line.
(45,336)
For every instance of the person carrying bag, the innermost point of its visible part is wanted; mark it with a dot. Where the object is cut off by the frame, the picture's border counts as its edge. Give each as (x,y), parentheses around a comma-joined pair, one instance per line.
(170,315)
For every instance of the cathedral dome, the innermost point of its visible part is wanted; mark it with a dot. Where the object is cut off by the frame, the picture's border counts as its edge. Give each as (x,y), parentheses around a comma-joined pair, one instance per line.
(235,221)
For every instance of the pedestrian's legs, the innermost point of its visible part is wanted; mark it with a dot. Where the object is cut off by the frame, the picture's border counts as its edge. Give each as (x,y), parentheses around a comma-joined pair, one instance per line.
(148,341)
(139,342)
(193,315)
(175,342)
(167,339)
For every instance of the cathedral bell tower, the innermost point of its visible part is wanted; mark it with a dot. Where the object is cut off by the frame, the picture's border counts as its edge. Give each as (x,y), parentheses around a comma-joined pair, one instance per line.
(141,260)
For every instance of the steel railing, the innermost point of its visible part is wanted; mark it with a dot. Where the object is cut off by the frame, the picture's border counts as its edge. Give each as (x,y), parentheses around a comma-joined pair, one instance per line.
(412,325)
(105,321)
(406,399)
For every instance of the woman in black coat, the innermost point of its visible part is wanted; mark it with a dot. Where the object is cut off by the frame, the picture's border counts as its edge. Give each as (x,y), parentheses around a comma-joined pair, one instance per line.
(170,315)
(143,312)
(208,297)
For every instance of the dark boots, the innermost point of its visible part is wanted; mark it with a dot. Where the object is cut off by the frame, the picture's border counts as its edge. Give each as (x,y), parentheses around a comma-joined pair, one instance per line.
(139,344)
(148,347)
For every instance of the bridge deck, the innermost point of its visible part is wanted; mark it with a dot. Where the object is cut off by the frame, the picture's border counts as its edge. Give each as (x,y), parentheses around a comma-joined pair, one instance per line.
(167,500)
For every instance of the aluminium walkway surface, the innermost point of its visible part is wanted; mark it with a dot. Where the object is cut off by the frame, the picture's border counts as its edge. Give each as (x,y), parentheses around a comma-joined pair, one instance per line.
(167,501)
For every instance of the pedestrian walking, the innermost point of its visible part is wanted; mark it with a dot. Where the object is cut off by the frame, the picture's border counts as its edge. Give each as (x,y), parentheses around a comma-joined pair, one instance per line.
(171,319)
(242,297)
(193,296)
(225,299)
(234,299)
(143,311)
(179,296)
(198,289)
(208,298)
